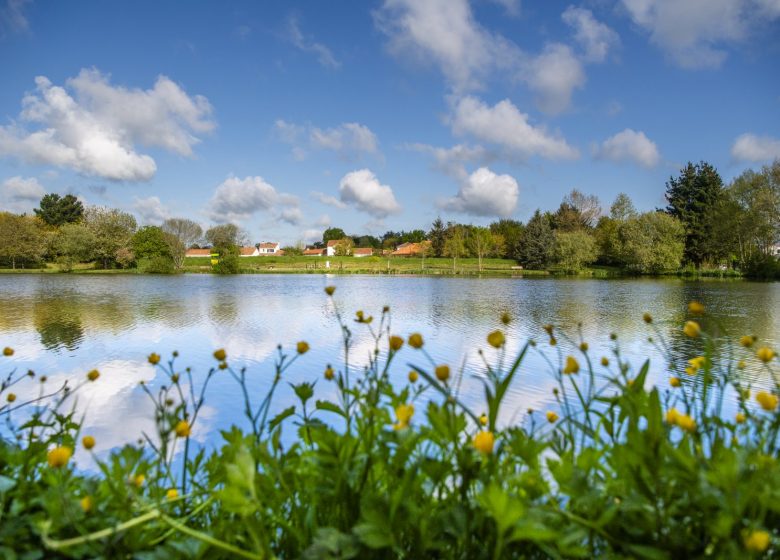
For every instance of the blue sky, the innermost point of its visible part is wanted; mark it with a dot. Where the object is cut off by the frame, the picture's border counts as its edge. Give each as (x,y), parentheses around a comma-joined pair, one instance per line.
(289,117)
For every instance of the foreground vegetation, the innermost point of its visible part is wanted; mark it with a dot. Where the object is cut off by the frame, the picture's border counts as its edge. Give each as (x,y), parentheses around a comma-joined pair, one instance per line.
(618,468)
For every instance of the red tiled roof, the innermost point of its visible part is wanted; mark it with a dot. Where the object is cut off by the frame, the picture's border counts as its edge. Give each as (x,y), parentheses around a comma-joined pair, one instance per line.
(268,245)
(408,249)
(246,251)
(334,242)
(197,253)
(313,252)
(363,251)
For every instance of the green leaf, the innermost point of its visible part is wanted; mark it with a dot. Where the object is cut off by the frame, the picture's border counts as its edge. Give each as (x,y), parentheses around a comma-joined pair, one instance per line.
(330,407)
(279,418)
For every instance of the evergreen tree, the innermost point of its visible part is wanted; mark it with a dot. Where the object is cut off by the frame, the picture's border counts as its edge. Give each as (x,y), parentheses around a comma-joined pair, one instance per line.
(538,242)
(438,236)
(56,210)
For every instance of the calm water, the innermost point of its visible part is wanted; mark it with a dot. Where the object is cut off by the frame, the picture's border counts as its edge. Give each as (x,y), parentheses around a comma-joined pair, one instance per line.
(63,326)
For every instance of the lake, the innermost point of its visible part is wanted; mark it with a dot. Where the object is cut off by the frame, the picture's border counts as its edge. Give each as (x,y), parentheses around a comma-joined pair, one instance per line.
(63,326)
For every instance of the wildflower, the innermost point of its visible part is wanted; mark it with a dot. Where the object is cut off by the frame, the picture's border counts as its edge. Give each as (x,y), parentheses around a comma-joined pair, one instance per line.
(330,289)
(361,318)
(222,365)
(741,364)
(506,318)
(11,397)
(138,480)
(695,364)
(220,355)
(553,341)
(413,376)
(59,456)
(182,429)
(44,379)
(647,318)
(443,372)
(552,418)
(630,383)
(696,308)
(740,418)
(583,346)
(328,373)
(572,366)
(483,419)
(93,375)
(484,442)
(386,309)
(175,378)
(747,340)
(175,354)
(496,339)
(416,340)
(396,342)
(692,329)
(756,541)
(404,413)
(154,358)
(7,351)
(604,361)
(765,354)
(87,504)
(302,347)
(671,416)
(548,329)
(88,442)
(675,381)
(768,401)
(686,423)
(172,494)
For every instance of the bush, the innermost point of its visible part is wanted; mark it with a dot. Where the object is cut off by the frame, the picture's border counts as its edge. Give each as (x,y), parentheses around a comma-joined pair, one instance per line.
(157,265)
(228,260)
(618,469)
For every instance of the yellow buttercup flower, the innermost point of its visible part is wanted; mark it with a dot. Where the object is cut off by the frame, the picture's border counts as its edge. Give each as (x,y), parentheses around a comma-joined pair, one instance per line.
(584,346)
(93,375)
(87,504)
(548,329)
(404,413)
(757,541)
(740,418)
(765,354)
(443,372)
(222,365)
(695,365)
(172,494)
(302,347)
(220,355)
(768,401)
(483,419)
(692,329)
(413,376)
(696,308)
(395,343)
(8,351)
(551,417)
(675,381)
(330,289)
(88,442)
(484,442)
(182,429)
(647,318)
(572,366)
(154,358)
(328,373)
(741,364)
(604,361)
(138,480)
(671,416)
(747,340)
(416,340)
(686,422)
(59,456)
(11,397)
(496,339)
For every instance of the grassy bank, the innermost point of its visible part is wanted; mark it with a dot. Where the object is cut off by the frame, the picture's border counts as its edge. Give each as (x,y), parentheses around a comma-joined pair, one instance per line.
(362,468)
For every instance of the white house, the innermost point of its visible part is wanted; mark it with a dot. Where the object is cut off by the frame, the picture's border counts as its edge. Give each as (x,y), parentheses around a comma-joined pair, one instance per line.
(268,249)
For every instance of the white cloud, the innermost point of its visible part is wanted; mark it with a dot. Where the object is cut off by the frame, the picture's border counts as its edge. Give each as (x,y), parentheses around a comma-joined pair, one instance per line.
(292,215)
(694,32)
(506,127)
(238,199)
(446,32)
(328,199)
(364,190)
(19,189)
(512,7)
(486,194)
(452,161)
(305,44)
(311,235)
(12,18)
(553,76)
(323,221)
(629,145)
(95,130)
(348,140)
(596,38)
(751,147)
(151,210)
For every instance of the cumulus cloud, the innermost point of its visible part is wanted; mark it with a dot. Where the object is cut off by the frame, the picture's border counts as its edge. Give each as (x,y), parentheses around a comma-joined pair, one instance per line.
(595,37)
(452,161)
(506,127)
(238,199)
(553,76)
(629,145)
(311,235)
(348,140)
(753,148)
(362,189)
(292,215)
(328,199)
(694,32)
(151,210)
(485,193)
(92,127)
(306,44)
(446,32)
(19,189)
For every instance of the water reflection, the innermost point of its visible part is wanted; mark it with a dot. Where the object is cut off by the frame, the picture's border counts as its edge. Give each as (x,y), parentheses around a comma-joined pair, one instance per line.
(64,326)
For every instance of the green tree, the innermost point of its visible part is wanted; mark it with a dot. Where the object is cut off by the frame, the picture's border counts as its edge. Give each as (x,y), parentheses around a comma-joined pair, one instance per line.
(112,229)
(455,243)
(182,234)
(333,234)
(574,250)
(74,243)
(483,243)
(438,236)
(577,211)
(622,208)
(225,235)
(652,242)
(344,247)
(512,232)
(152,248)
(538,242)
(56,210)
(22,239)
(692,198)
